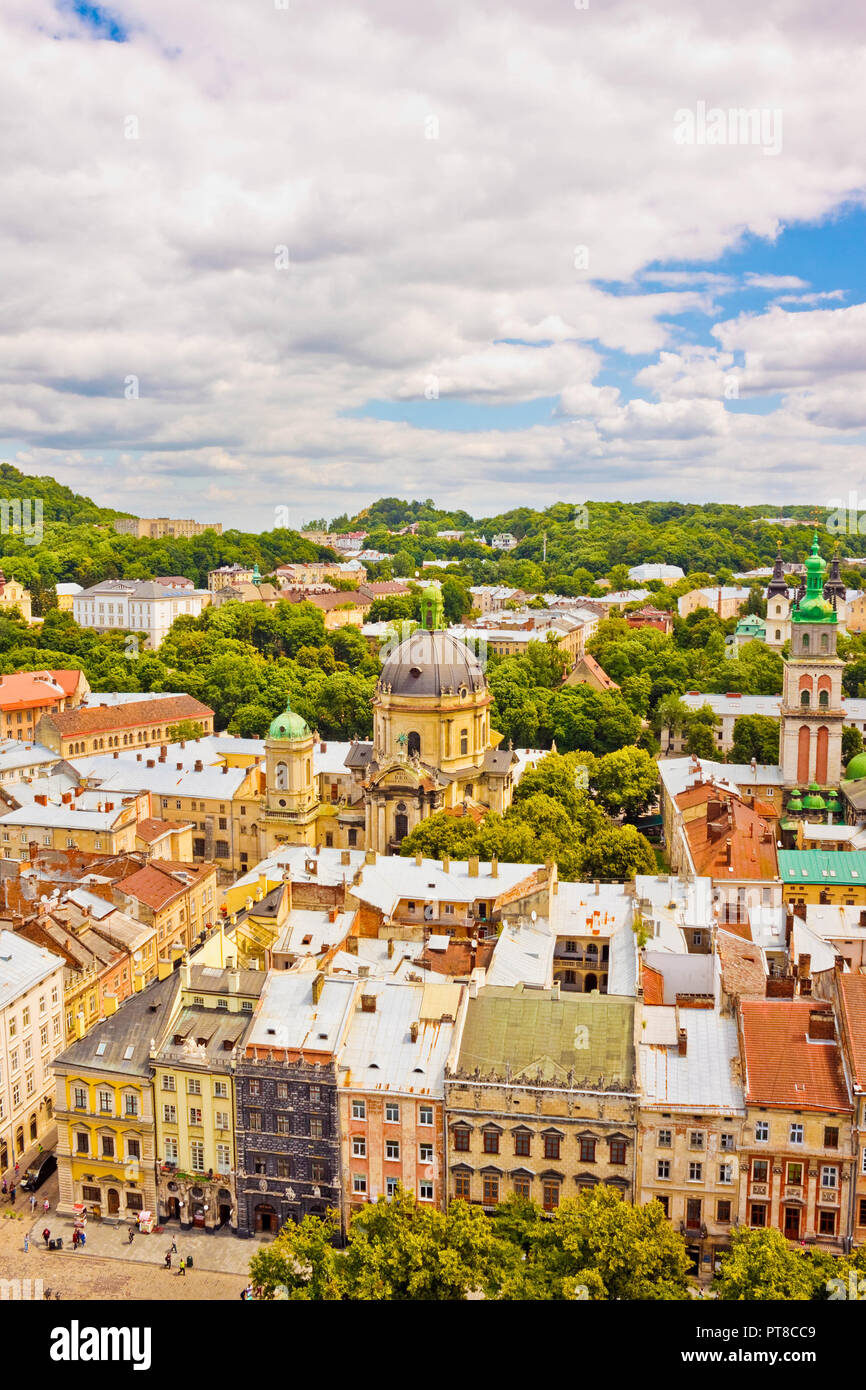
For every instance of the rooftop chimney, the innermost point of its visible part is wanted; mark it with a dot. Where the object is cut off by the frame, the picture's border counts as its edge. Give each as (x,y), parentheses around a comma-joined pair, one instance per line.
(494,867)
(473,866)
(413,1031)
(345,856)
(368,1003)
(419,858)
(446,863)
(199,765)
(682,1042)
(821,1026)
(318,986)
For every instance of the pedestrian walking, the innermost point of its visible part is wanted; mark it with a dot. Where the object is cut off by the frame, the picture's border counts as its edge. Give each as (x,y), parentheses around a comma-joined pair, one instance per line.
(12,1194)
(5,1187)
(181,1269)
(26,1243)
(75,1239)
(46,1206)
(131,1235)
(174,1247)
(16,1172)
(32,1202)
(46,1236)
(168,1259)
(82,1238)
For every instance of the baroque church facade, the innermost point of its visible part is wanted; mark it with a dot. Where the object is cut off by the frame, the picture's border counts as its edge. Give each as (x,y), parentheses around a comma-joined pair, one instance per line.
(432,750)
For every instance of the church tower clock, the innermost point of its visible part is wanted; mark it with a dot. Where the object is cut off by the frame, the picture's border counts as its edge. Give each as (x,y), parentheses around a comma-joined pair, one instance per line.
(812,715)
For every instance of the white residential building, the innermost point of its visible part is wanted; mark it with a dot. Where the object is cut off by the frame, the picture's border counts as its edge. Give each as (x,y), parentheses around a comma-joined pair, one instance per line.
(668,574)
(143,607)
(31,1035)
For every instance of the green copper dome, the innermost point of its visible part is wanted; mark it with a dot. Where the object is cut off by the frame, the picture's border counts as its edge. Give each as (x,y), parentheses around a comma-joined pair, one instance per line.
(813,800)
(856,768)
(813,607)
(795,802)
(288,725)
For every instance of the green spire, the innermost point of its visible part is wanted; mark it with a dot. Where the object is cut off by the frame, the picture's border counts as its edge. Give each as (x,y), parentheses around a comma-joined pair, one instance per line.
(257,578)
(432,609)
(813,607)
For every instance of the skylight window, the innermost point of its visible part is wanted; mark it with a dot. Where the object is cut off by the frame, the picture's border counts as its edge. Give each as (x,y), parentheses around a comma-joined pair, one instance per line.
(100,1049)
(127,1056)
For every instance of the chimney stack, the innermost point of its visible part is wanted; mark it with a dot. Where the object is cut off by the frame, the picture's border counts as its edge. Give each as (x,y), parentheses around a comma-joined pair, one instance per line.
(682,1042)
(822,1027)
(413,1031)
(446,863)
(494,867)
(473,866)
(318,986)
(728,853)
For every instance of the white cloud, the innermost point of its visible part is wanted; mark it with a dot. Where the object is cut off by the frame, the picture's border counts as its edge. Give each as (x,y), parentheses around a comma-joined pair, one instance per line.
(408,256)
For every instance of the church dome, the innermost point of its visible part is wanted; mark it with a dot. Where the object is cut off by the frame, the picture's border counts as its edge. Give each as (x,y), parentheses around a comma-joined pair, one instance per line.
(856,768)
(431,664)
(288,725)
(813,800)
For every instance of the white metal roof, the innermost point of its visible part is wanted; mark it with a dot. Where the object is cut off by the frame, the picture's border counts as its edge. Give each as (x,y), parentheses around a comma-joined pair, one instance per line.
(22,965)
(703,1079)
(379,1052)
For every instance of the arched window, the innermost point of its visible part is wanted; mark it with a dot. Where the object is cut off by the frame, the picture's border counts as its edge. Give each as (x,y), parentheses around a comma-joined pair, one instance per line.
(778,635)
(805,698)
(825,642)
(414,744)
(824,698)
(464,742)
(805,641)
(281,776)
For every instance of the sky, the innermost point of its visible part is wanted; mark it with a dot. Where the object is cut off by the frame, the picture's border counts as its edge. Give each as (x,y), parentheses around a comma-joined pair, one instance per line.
(274,257)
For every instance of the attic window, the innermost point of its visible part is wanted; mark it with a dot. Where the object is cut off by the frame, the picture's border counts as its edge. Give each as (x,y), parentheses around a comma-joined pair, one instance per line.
(100,1049)
(415,671)
(374,1066)
(272,1032)
(323,1036)
(419,1070)
(128,1053)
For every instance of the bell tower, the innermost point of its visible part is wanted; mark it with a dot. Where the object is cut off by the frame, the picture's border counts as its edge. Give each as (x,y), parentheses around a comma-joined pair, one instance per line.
(778,628)
(810,746)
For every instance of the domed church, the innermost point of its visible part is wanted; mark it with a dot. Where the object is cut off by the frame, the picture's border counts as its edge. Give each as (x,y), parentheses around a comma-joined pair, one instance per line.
(432,750)
(812,713)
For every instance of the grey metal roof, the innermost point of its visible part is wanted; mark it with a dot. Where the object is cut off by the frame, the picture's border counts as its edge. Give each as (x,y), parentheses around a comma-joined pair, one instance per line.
(141,1020)
(499,760)
(431,663)
(704,1078)
(359,755)
(22,965)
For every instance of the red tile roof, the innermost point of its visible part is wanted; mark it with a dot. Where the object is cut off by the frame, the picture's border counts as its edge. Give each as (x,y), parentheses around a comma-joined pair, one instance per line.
(853,1000)
(783,1067)
(729,822)
(134,714)
(30,689)
(159,883)
(653,986)
(152,829)
(327,602)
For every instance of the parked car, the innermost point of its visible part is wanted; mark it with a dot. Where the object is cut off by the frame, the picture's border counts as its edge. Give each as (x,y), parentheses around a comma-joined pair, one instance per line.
(37,1172)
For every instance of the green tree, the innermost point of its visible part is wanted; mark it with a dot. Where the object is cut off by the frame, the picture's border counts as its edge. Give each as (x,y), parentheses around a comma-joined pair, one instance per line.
(186,729)
(760,1266)
(616,853)
(626,781)
(755,736)
(250,721)
(852,743)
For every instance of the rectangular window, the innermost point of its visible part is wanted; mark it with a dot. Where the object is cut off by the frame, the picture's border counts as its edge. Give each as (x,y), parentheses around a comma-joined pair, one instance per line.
(796,1134)
(861,1218)
(795,1175)
(221,1119)
(426,1153)
(826,1222)
(617,1151)
(107,1146)
(130,1105)
(664,1139)
(726,1173)
(82,1143)
(462,1186)
(696,1139)
(491,1141)
(221,1090)
(664,1203)
(284,1167)
(315,1095)
(359,1183)
(359,1110)
(587,1150)
(523,1144)
(490,1189)
(194,1115)
(760,1169)
(284,1124)
(696,1172)
(169,1115)
(392,1113)
(723,1210)
(425,1115)
(425,1192)
(318,1170)
(762,1133)
(758,1214)
(829,1177)
(523,1187)
(106,1102)
(317,1127)
(196,1156)
(831,1137)
(255,1120)
(550,1194)
(726,1143)
(552,1145)
(392,1150)
(193,1086)
(359,1148)
(663,1168)
(391,1185)
(133,1149)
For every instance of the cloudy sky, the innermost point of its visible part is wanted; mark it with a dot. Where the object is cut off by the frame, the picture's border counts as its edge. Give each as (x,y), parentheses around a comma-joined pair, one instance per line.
(266,254)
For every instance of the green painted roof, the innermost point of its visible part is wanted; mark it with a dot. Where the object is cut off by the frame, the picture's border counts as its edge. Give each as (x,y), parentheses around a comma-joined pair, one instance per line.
(288,725)
(532,1030)
(856,768)
(823,866)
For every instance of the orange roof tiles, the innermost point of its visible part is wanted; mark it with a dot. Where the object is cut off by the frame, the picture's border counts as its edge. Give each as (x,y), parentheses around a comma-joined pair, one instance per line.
(31,689)
(741,964)
(152,829)
(653,986)
(853,1000)
(783,1066)
(131,715)
(731,840)
(157,883)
